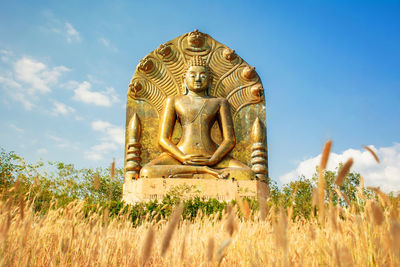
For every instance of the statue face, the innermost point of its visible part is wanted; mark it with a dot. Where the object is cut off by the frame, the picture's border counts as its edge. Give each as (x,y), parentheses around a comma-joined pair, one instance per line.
(196,78)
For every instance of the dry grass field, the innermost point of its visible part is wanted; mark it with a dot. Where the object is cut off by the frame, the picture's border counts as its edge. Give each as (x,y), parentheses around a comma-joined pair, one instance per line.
(365,232)
(63,237)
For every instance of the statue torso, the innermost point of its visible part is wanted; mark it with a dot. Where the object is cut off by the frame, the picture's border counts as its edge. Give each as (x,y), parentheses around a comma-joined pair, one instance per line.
(197,115)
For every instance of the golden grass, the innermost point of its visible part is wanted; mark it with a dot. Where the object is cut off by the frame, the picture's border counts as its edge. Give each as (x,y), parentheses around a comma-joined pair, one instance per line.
(343,171)
(372,153)
(338,236)
(63,237)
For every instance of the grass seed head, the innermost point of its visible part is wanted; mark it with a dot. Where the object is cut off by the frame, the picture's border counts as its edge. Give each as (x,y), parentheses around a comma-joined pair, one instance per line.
(112,169)
(183,249)
(377,213)
(246,209)
(22,207)
(210,248)
(221,250)
(173,222)
(147,245)
(343,171)
(372,153)
(325,155)
(96,181)
(395,234)
(230,221)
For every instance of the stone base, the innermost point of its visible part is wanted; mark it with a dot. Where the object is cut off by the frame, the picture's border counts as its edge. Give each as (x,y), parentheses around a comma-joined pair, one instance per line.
(224,190)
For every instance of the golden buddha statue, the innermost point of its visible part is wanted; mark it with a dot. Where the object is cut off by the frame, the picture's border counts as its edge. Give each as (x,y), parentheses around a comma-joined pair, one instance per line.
(195,114)
(196,152)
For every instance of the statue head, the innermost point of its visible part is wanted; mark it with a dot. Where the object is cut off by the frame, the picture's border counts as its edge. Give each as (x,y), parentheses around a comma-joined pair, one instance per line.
(197,77)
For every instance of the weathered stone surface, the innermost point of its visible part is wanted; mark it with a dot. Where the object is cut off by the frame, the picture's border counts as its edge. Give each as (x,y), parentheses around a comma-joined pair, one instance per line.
(156,188)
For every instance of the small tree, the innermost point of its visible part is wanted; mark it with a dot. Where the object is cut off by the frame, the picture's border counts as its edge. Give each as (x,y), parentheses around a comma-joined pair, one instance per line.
(298,195)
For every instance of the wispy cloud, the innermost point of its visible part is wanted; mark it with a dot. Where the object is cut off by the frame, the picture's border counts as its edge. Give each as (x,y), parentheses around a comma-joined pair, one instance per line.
(385,175)
(55,138)
(83,93)
(72,34)
(107,44)
(61,109)
(62,142)
(41,151)
(112,132)
(17,129)
(5,55)
(97,152)
(9,83)
(112,138)
(60,27)
(30,78)
(37,74)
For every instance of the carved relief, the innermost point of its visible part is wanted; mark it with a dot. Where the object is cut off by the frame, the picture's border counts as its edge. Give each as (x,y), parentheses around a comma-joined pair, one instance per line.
(259,156)
(159,74)
(199,137)
(133,148)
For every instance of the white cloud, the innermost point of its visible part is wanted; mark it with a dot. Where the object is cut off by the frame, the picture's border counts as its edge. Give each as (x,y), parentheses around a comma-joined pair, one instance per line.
(15,91)
(41,151)
(14,127)
(107,44)
(9,83)
(83,93)
(100,125)
(54,138)
(61,109)
(61,142)
(5,55)
(24,99)
(385,175)
(112,139)
(28,79)
(37,74)
(97,152)
(70,85)
(65,29)
(71,33)
(112,132)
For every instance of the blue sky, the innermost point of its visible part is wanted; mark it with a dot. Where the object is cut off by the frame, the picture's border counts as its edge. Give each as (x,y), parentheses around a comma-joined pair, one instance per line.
(331,69)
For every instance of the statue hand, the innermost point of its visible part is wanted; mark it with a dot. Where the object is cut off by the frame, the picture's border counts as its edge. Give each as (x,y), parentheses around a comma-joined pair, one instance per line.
(198,159)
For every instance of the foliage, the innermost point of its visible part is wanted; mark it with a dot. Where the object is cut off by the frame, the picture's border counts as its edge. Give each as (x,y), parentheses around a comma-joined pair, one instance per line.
(57,184)
(71,235)
(298,195)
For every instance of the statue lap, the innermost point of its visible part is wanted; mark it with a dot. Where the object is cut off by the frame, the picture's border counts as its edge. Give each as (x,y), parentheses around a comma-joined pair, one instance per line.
(164,161)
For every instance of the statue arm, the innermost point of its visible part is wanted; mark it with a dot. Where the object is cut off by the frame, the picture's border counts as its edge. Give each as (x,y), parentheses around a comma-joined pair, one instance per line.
(167,125)
(226,124)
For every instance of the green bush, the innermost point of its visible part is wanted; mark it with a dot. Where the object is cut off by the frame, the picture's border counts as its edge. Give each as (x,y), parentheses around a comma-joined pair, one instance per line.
(56,184)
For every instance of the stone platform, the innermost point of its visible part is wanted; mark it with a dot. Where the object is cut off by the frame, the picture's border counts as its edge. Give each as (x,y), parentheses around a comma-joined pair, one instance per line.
(224,190)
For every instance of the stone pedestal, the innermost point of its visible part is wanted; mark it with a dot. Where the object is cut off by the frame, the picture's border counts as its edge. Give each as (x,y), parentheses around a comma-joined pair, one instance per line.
(224,190)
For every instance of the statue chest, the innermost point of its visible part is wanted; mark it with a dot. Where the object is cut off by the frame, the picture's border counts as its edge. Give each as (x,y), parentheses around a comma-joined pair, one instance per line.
(196,112)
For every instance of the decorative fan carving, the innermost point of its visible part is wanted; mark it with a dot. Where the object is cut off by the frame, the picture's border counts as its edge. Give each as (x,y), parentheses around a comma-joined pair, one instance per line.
(160,73)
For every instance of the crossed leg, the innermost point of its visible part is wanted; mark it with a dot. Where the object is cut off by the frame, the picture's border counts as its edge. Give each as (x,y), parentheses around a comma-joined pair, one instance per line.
(165,166)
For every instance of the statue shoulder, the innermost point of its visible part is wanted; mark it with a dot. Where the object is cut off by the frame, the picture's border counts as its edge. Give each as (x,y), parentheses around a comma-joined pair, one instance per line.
(170,99)
(222,100)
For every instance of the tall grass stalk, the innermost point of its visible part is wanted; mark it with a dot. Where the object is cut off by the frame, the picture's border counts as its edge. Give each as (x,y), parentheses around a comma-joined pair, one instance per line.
(65,237)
